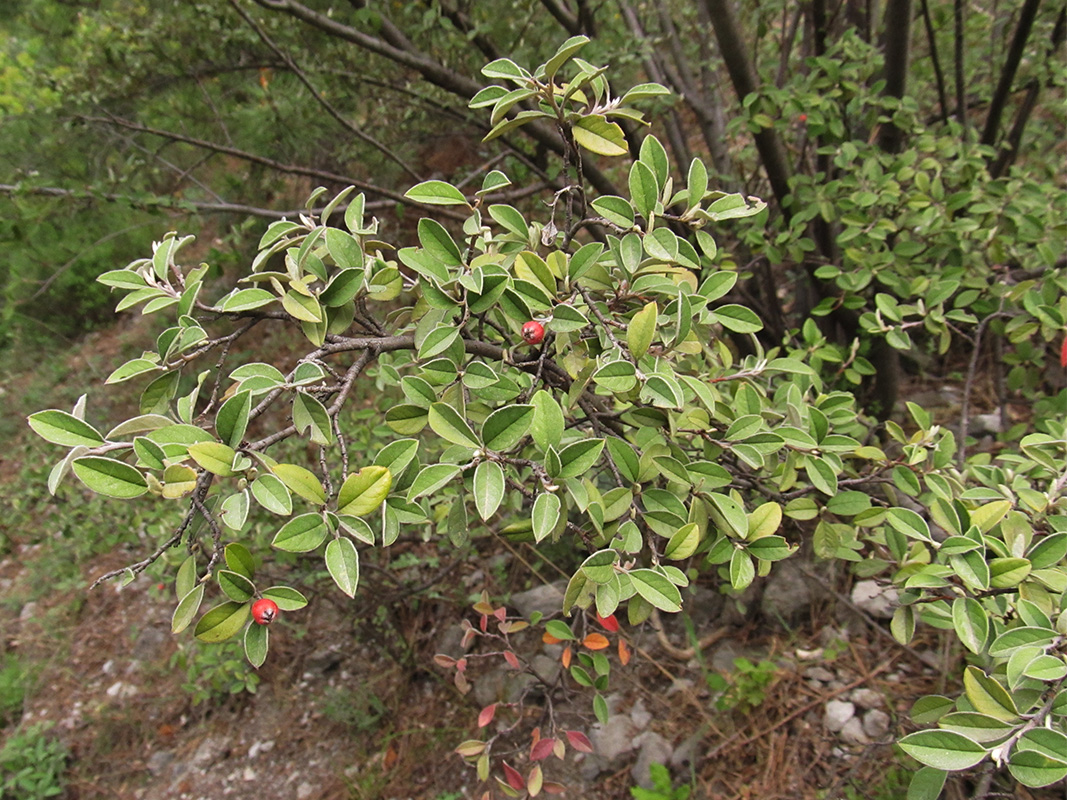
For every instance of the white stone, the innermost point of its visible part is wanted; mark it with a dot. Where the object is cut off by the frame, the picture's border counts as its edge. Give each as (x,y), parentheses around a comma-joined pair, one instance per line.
(838,713)
(853,733)
(871,598)
(304,791)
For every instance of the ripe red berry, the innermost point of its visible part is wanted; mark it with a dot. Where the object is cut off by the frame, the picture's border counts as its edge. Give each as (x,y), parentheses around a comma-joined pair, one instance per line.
(802,118)
(264,611)
(533,332)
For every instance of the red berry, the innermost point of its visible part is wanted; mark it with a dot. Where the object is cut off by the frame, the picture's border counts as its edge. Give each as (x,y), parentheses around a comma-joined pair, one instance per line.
(264,611)
(533,332)
(1063,353)
(802,118)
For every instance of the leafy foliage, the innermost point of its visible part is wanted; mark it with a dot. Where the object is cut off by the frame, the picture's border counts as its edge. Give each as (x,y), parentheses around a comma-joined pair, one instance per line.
(669,426)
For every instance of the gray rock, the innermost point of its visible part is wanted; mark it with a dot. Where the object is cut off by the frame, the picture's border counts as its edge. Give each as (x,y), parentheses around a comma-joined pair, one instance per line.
(450,642)
(614,739)
(787,596)
(867,698)
(685,754)
(211,750)
(876,724)
(547,598)
(159,760)
(838,713)
(852,732)
(640,715)
(820,674)
(654,750)
(546,668)
(875,600)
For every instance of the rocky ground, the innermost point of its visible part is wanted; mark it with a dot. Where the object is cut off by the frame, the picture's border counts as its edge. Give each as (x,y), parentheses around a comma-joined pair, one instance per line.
(351,707)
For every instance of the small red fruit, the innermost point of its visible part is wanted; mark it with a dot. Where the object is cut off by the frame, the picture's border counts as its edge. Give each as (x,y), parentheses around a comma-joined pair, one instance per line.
(1063,353)
(533,332)
(802,118)
(264,611)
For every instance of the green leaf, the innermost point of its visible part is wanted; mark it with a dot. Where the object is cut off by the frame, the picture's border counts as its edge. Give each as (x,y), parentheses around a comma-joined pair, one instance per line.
(742,570)
(446,422)
(59,427)
(301,307)
(546,510)
(363,492)
(488,488)
(287,599)
(1006,573)
(683,543)
(231,421)
(1034,769)
(257,642)
(110,477)
(926,784)
(342,562)
(309,413)
(186,610)
(235,586)
(215,457)
(599,136)
(436,193)
(987,696)
(131,369)
(240,560)
(764,521)
(548,422)
(971,623)
(272,494)
(301,534)
(222,622)
(563,54)
(600,566)
(505,427)
(909,523)
(822,475)
(657,589)
(578,458)
(728,516)
(642,330)
(738,319)
(943,750)
(246,300)
(234,509)
(431,478)
(301,482)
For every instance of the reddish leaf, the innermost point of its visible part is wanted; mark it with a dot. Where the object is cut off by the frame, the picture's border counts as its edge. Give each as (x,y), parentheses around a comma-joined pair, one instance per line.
(548,638)
(535,735)
(390,759)
(542,750)
(565,659)
(624,653)
(462,683)
(468,637)
(513,777)
(609,623)
(512,659)
(444,661)
(501,613)
(461,665)
(549,787)
(487,715)
(595,641)
(579,741)
(1063,353)
(483,623)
